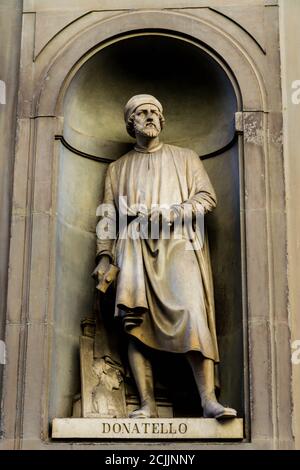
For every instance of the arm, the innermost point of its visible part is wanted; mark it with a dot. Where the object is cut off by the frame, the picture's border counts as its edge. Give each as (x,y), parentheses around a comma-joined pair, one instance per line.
(202,197)
(106,227)
(200,188)
(106,230)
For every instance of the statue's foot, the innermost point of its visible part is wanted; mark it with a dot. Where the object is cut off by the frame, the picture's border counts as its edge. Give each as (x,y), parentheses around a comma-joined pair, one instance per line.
(146,411)
(214,409)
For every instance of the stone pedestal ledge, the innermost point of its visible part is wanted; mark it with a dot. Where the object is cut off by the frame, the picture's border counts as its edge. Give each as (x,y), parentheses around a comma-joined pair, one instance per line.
(155,428)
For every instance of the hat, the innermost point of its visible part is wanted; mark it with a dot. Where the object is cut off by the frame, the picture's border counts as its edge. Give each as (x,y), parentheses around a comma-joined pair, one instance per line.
(136,101)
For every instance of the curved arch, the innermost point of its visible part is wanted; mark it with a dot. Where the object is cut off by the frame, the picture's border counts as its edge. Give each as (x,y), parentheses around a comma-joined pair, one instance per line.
(184,38)
(240,26)
(236,61)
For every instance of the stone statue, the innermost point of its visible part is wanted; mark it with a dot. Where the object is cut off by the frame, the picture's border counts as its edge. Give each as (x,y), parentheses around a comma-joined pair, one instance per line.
(164,290)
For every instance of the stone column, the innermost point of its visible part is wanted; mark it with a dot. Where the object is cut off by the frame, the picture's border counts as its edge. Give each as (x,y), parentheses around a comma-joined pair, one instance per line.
(10,39)
(290,69)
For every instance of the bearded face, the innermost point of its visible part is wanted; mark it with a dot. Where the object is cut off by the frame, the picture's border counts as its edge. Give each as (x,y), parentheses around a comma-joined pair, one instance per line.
(147,121)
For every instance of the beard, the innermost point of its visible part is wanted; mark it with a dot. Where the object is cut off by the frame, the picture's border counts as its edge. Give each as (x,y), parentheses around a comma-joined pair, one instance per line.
(148,130)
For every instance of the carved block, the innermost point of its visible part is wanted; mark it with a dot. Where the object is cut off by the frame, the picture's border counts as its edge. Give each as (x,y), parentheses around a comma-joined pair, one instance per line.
(102,387)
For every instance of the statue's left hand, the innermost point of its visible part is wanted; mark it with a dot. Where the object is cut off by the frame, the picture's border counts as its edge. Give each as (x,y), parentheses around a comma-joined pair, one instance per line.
(102,267)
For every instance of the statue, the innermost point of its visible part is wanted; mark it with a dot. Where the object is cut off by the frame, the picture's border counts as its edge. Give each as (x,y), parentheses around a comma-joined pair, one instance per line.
(164,290)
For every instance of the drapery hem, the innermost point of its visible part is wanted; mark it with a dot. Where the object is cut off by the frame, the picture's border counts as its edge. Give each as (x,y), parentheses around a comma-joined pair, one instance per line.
(183,351)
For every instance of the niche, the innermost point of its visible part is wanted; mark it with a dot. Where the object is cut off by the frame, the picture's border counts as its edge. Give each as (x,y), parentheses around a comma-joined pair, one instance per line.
(199,106)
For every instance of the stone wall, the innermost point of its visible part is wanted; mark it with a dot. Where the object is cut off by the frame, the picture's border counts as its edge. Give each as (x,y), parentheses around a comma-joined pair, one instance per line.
(290,47)
(10,36)
(58,38)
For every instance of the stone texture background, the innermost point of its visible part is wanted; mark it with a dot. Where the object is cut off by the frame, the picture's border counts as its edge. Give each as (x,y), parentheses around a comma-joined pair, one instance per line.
(290,46)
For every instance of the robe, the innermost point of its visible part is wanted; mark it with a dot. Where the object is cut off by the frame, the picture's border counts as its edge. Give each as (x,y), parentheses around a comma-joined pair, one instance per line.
(164,292)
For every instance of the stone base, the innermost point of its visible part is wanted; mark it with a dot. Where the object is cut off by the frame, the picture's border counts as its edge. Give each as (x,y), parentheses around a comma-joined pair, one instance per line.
(156,428)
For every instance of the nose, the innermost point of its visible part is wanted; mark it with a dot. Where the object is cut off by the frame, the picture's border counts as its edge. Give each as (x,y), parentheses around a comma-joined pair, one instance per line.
(149,115)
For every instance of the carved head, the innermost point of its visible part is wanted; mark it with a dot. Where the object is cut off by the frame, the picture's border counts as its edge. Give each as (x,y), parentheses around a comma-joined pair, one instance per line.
(108,376)
(144,115)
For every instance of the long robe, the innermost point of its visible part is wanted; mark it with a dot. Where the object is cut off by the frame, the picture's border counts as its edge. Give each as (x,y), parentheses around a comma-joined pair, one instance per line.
(164,289)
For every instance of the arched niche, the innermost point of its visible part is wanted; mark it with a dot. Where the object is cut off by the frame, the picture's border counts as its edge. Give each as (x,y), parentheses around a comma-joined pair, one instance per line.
(200,102)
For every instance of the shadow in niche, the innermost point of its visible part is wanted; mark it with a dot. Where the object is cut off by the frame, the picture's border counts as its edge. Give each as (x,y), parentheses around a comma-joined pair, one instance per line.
(199,105)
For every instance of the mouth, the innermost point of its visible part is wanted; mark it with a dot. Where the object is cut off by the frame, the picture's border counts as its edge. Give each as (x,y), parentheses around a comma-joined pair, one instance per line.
(148,128)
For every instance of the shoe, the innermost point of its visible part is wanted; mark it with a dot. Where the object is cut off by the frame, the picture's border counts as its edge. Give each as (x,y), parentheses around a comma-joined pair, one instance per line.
(214,409)
(146,411)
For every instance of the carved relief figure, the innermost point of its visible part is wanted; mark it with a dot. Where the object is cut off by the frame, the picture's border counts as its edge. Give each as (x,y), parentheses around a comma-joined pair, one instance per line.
(109,379)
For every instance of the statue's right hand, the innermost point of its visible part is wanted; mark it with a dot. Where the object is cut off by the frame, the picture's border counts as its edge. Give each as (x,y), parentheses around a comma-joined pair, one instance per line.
(102,267)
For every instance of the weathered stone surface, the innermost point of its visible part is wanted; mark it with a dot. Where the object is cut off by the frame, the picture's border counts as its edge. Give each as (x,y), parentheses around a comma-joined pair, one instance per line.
(289,46)
(21,167)
(102,386)
(84,5)
(269,317)
(15,282)
(253,23)
(10,33)
(100,29)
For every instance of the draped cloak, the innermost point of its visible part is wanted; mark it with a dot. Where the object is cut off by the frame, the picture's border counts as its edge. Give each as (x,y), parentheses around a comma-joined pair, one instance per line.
(164,292)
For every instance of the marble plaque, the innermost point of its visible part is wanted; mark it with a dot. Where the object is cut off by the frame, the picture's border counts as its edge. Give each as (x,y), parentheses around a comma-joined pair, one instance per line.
(155,428)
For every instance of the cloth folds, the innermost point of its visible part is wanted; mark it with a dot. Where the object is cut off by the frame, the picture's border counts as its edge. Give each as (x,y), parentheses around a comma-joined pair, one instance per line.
(164,290)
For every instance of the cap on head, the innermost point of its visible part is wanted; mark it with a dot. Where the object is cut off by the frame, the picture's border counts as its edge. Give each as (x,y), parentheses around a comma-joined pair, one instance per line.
(137,101)
(134,103)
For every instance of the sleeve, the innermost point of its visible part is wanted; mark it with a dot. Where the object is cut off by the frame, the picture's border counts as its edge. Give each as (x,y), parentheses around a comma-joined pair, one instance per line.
(106,228)
(202,197)
(201,192)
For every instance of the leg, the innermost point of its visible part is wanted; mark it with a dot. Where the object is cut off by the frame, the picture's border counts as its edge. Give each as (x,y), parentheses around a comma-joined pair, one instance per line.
(203,370)
(142,373)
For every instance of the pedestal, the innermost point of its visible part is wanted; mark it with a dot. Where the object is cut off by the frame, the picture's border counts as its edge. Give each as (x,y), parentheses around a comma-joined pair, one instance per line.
(155,428)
